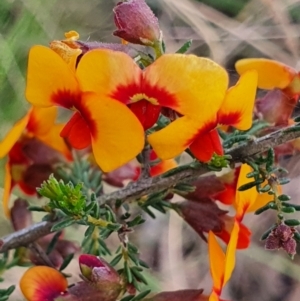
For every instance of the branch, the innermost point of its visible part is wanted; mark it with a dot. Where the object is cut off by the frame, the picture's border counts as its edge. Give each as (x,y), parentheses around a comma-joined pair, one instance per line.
(25,236)
(239,153)
(151,185)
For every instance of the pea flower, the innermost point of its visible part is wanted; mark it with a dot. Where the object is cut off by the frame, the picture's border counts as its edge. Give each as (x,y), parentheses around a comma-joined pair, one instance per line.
(284,82)
(136,23)
(26,167)
(192,86)
(235,107)
(243,201)
(99,121)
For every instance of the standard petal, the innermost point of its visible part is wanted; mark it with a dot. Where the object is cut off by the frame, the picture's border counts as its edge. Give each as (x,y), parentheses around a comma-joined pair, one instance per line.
(109,73)
(41,120)
(191,85)
(117,135)
(50,81)
(237,107)
(216,261)
(230,253)
(42,283)
(175,138)
(271,74)
(7,190)
(13,135)
(205,145)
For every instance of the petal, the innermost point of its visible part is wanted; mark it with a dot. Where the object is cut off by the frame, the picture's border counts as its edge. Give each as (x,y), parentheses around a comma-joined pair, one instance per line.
(77,132)
(7,190)
(50,81)
(146,112)
(229,180)
(42,283)
(109,73)
(162,167)
(276,107)
(244,233)
(188,84)
(230,253)
(13,135)
(271,74)
(217,261)
(175,138)
(53,139)
(117,135)
(244,199)
(237,107)
(41,120)
(205,145)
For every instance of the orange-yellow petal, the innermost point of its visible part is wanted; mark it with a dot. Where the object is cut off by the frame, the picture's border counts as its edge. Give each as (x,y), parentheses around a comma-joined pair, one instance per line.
(230,253)
(195,85)
(41,120)
(237,107)
(7,190)
(50,81)
(42,283)
(217,262)
(244,199)
(175,138)
(271,74)
(162,167)
(52,138)
(13,135)
(205,145)
(117,135)
(105,71)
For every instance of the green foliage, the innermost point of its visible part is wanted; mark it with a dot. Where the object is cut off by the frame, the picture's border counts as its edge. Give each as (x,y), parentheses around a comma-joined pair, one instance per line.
(67,197)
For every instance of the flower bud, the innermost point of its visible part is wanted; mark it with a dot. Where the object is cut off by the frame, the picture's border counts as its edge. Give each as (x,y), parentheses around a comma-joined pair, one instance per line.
(97,270)
(20,216)
(101,276)
(136,23)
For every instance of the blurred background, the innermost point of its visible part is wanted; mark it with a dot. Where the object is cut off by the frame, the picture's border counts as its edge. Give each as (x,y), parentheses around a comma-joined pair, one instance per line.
(224,30)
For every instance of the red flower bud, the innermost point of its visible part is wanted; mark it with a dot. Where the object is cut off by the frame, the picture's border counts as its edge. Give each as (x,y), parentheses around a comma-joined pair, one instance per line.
(136,23)
(97,270)
(101,277)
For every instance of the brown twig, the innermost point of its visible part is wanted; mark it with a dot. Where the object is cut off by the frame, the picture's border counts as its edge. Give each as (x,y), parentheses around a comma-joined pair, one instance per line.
(25,236)
(151,185)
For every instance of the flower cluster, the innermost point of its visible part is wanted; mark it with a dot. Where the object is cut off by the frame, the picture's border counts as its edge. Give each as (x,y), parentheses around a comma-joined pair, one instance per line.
(130,114)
